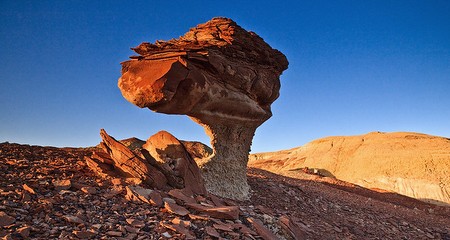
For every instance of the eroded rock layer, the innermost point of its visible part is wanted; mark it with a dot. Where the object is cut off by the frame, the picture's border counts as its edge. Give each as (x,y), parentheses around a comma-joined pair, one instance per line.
(222,76)
(412,164)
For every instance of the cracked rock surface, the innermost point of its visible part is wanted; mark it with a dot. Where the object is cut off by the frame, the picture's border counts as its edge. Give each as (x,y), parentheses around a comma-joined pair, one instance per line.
(224,78)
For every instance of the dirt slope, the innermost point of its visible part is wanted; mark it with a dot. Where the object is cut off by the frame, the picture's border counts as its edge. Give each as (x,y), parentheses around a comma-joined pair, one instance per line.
(412,164)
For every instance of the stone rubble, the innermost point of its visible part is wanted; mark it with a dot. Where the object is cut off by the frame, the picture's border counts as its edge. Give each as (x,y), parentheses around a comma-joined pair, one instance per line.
(94,207)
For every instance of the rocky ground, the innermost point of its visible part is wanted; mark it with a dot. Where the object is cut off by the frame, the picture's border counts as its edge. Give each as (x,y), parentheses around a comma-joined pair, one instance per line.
(50,193)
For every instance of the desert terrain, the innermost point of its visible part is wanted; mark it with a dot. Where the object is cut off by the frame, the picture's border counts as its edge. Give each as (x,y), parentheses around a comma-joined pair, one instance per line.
(225,78)
(51,193)
(412,164)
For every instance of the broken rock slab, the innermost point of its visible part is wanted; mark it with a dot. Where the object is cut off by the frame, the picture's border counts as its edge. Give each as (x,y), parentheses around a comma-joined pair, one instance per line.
(179,167)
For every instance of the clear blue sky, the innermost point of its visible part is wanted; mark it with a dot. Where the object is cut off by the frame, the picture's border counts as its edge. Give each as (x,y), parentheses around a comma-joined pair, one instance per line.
(355,67)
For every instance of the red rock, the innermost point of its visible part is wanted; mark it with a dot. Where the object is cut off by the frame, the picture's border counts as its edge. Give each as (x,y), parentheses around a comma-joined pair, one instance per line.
(292,228)
(89,190)
(101,169)
(176,209)
(131,229)
(265,233)
(24,231)
(243,229)
(102,157)
(131,164)
(62,184)
(225,212)
(212,232)
(217,201)
(198,217)
(223,227)
(179,229)
(155,199)
(178,221)
(73,219)
(138,193)
(135,223)
(28,189)
(84,234)
(178,194)
(117,181)
(5,219)
(114,233)
(26,197)
(200,198)
(175,162)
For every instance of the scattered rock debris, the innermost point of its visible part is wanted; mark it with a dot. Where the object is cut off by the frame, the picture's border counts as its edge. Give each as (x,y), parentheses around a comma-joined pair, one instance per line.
(32,206)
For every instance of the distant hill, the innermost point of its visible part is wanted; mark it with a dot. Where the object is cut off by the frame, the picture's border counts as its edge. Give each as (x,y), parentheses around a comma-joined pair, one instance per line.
(412,164)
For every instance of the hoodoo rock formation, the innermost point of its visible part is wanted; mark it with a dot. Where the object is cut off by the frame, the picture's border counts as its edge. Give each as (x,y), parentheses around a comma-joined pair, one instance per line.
(224,78)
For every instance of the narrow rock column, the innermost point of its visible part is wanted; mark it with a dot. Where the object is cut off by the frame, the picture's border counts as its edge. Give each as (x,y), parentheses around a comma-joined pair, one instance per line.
(225,172)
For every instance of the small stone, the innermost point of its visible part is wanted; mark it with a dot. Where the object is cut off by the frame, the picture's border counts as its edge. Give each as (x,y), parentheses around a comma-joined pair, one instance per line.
(224,212)
(89,190)
(265,233)
(176,209)
(216,200)
(294,229)
(178,229)
(138,193)
(6,220)
(114,233)
(223,226)
(24,231)
(62,184)
(244,229)
(97,226)
(166,234)
(155,199)
(28,189)
(26,197)
(131,229)
(183,223)
(8,237)
(166,199)
(135,223)
(212,232)
(178,194)
(117,181)
(84,234)
(131,236)
(198,217)
(429,235)
(73,219)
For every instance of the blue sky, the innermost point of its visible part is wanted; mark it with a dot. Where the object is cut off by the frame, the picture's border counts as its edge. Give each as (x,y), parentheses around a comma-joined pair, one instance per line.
(355,67)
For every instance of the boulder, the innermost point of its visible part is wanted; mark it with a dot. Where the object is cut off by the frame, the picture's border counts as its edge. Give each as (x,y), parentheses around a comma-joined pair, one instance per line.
(175,162)
(224,78)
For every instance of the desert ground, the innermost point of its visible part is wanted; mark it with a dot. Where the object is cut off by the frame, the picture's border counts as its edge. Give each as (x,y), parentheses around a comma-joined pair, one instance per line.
(51,193)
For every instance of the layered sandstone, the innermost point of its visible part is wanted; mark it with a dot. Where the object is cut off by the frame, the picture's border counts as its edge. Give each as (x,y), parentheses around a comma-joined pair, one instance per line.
(412,164)
(224,78)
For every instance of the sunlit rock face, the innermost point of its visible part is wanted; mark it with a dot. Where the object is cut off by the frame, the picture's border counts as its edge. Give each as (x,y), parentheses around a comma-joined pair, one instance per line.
(225,78)
(412,164)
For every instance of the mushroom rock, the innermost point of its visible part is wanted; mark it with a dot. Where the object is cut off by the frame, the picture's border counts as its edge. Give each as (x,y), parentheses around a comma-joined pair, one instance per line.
(224,78)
